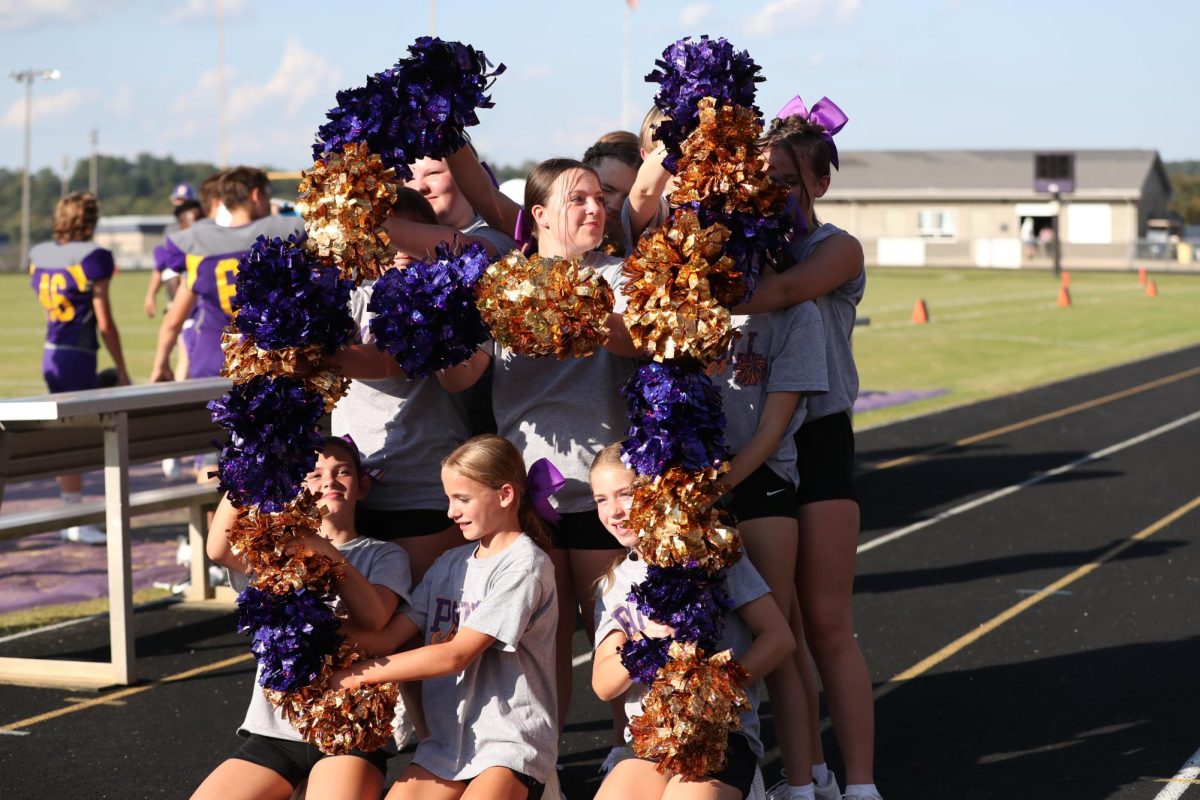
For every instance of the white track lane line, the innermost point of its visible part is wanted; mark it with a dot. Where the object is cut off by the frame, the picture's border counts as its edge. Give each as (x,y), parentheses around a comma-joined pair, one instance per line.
(1182,780)
(1016,487)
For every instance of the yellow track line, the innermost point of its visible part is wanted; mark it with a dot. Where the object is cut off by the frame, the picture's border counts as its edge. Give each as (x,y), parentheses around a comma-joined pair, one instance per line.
(966,640)
(132,690)
(1016,426)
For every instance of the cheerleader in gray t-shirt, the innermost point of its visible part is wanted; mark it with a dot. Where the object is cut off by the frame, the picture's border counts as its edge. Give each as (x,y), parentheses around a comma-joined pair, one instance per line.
(487,612)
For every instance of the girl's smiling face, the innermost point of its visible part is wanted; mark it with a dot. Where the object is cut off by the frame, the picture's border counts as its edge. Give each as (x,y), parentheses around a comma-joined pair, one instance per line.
(478,510)
(337,480)
(572,220)
(612,489)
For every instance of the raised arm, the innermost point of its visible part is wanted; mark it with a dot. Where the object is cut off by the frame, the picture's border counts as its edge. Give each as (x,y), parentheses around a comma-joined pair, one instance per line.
(496,208)
(646,194)
(837,260)
(420,239)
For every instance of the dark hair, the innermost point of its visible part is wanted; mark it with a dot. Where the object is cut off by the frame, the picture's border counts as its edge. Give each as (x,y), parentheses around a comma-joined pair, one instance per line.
(494,461)
(804,142)
(237,184)
(413,205)
(210,191)
(542,177)
(186,206)
(621,145)
(75,217)
(347,447)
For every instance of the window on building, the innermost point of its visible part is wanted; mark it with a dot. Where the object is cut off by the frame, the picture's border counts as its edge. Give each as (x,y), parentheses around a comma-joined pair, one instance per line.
(937,223)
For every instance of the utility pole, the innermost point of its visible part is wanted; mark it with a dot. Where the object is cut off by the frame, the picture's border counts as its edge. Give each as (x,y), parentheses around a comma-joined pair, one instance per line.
(66,176)
(222,140)
(27,77)
(93,173)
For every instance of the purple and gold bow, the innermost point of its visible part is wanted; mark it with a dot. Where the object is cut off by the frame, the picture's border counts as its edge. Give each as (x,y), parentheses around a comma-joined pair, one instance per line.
(825,113)
(544,480)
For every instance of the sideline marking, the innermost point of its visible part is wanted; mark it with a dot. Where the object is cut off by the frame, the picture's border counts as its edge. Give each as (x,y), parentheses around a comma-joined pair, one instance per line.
(1185,778)
(13,727)
(1016,487)
(995,622)
(1016,426)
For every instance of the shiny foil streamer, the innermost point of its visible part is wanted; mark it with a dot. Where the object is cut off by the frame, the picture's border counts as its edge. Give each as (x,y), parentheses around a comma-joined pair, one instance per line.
(689,712)
(722,167)
(673,311)
(338,721)
(678,523)
(344,199)
(545,306)
(263,542)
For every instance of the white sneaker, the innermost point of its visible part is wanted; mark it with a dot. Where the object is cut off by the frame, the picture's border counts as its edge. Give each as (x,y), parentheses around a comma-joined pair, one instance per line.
(170,469)
(615,756)
(404,732)
(758,789)
(861,796)
(829,791)
(85,534)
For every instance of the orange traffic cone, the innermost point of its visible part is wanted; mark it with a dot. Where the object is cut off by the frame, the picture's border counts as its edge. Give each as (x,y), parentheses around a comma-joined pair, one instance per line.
(920,312)
(1141,276)
(1064,296)
(1151,289)
(1066,280)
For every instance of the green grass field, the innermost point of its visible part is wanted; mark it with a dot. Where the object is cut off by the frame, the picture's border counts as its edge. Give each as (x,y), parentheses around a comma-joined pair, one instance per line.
(991,331)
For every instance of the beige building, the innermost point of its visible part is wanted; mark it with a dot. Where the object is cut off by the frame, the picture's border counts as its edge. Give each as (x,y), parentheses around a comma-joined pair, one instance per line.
(961,208)
(132,238)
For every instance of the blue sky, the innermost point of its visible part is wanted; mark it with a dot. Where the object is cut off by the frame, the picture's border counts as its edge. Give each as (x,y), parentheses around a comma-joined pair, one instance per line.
(911,75)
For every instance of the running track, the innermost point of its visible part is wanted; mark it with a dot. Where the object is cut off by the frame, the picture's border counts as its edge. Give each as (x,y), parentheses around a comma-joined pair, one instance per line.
(1027,600)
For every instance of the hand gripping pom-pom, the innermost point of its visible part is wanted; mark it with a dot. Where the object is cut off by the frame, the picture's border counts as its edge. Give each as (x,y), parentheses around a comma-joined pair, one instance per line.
(338,721)
(689,712)
(643,657)
(690,70)
(417,109)
(274,434)
(425,314)
(344,199)
(292,633)
(689,600)
(674,417)
(545,306)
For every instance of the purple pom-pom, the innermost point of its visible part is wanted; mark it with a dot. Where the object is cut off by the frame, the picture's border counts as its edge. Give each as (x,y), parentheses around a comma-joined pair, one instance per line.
(274,435)
(754,242)
(286,298)
(425,314)
(644,657)
(693,69)
(292,633)
(689,600)
(416,109)
(675,417)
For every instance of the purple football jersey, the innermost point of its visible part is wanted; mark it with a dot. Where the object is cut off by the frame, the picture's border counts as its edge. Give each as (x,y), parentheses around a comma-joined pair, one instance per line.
(62,277)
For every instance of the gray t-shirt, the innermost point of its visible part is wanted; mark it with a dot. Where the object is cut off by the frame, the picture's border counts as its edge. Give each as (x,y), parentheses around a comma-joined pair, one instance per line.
(838,311)
(405,427)
(501,710)
(383,564)
(660,216)
(616,612)
(496,238)
(782,351)
(564,410)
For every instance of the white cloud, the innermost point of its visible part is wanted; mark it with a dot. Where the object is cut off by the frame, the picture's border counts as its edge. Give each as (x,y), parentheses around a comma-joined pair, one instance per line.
(122,102)
(782,16)
(301,77)
(695,14)
(191,10)
(18,14)
(535,72)
(45,106)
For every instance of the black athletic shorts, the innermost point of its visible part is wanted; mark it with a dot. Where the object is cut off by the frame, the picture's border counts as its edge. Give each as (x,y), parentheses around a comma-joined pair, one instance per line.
(825,460)
(535,788)
(583,530)
(380,523)
(763,494)
(294,760)
(740,763)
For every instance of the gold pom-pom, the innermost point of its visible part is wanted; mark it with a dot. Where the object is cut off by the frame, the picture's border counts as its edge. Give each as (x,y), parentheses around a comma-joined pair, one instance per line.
(722,166)
(245,360)
(344,199)
(689,712)
(338,721)
(262,541)
(545,306)
(674,310)
(678,523)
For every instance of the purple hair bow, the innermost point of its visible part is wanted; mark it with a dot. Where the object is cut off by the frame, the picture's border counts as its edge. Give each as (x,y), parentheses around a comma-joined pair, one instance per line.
(544,480)
(825,113)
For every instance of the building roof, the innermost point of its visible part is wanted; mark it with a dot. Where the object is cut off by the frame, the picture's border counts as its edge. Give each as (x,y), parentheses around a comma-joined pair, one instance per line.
(987,174)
